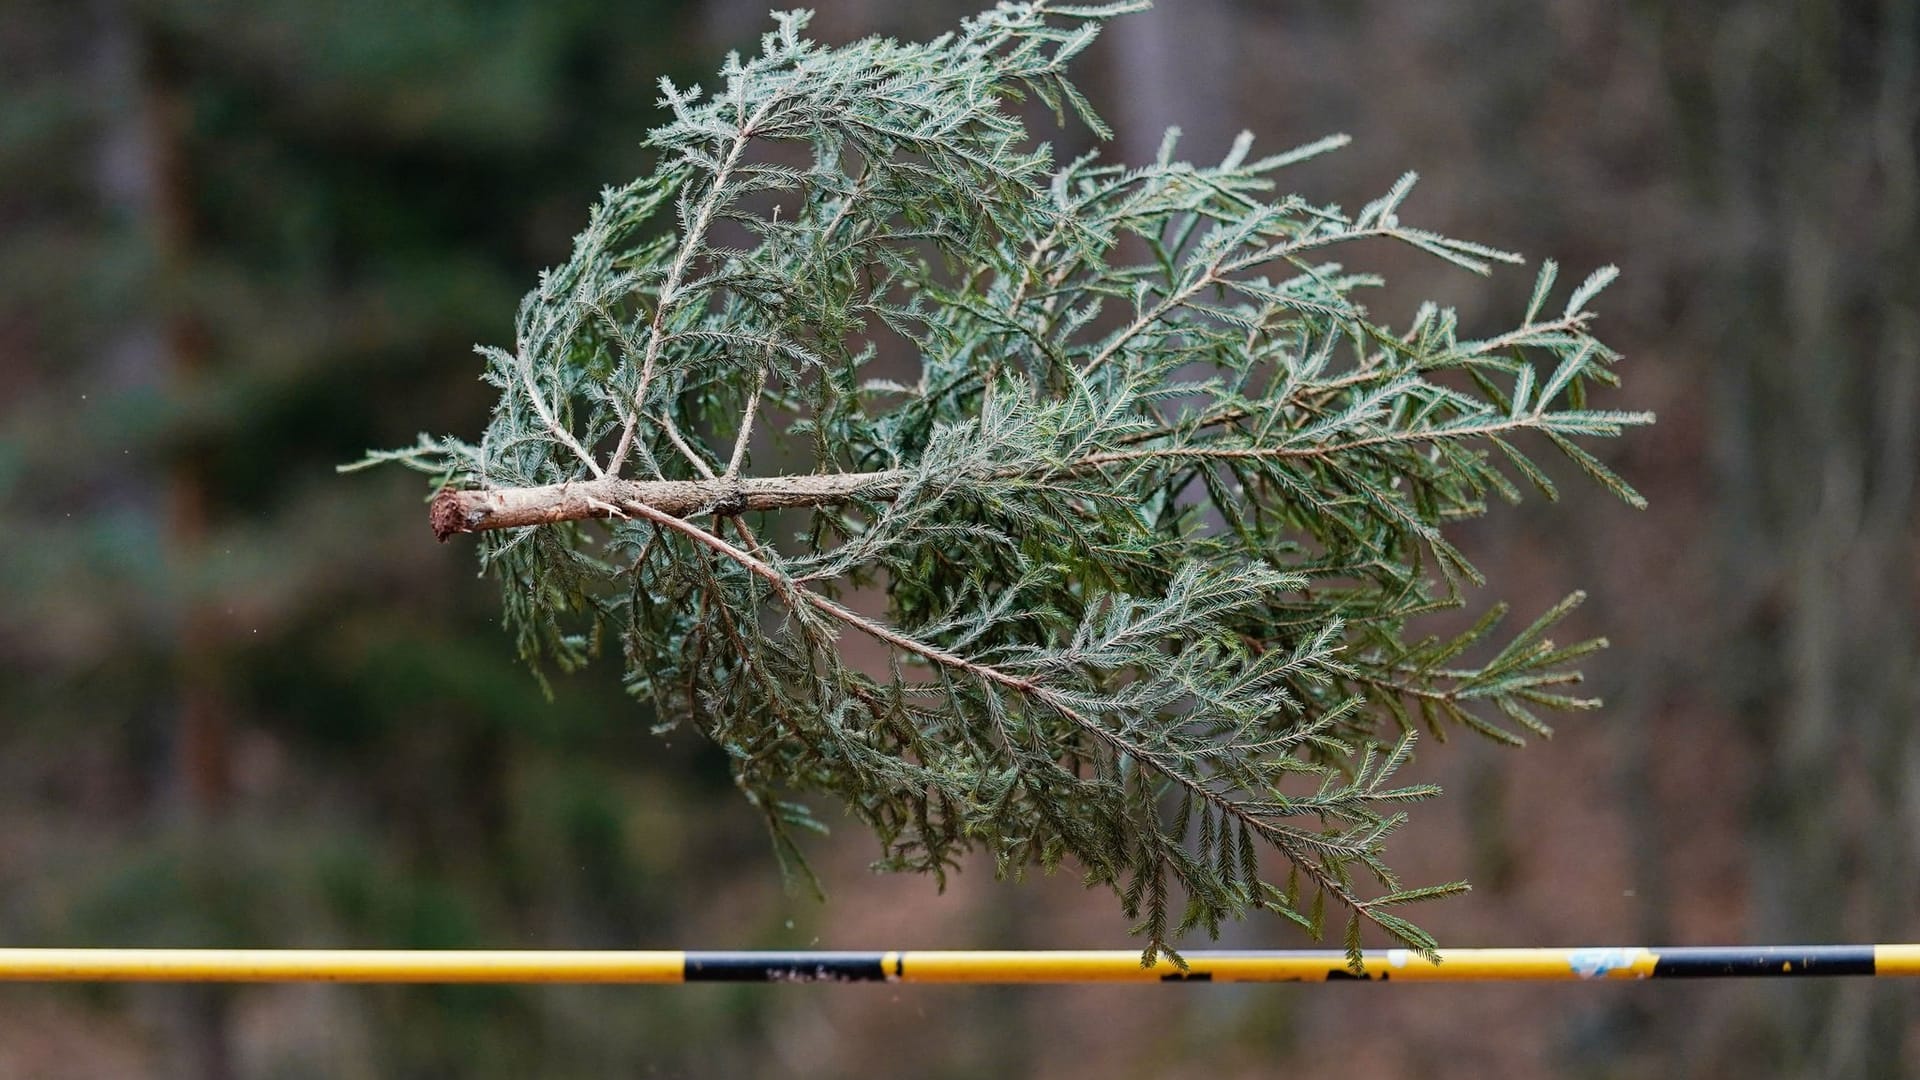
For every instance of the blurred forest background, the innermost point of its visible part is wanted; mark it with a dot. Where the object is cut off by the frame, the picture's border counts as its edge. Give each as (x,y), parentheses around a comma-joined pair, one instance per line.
(246,701)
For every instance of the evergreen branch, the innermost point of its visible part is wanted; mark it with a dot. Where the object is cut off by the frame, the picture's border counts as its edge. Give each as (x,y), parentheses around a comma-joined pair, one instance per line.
(1150,581)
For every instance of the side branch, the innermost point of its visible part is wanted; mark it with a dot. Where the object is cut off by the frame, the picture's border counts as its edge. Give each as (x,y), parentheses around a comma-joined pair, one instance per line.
(454,511)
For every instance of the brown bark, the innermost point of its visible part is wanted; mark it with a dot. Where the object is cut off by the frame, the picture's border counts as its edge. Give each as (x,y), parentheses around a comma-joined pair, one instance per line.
(203,757)
(203,733)
(454,511)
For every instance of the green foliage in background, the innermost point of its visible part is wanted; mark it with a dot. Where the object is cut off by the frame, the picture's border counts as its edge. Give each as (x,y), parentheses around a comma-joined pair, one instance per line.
(1122,573)
(344,172)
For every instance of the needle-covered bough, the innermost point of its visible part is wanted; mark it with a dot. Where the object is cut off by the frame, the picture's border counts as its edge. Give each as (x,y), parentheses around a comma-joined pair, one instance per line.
(1065,512)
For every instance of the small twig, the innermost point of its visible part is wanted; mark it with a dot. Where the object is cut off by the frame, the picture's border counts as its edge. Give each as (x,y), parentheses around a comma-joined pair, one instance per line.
(746,425)
(672,431)
(692,242)
(554,427)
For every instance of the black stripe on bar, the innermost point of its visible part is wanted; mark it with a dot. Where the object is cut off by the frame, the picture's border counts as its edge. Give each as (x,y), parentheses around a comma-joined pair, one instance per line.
(785,967)
(1763,960)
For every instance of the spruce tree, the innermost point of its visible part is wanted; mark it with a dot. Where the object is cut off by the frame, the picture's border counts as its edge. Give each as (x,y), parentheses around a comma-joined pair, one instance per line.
(1137,538)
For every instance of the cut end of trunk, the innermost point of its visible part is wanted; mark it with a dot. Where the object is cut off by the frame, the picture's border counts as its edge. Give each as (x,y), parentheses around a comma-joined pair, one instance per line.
(451,513)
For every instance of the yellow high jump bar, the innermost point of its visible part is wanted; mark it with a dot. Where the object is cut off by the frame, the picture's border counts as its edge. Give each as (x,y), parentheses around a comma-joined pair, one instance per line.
(914,966)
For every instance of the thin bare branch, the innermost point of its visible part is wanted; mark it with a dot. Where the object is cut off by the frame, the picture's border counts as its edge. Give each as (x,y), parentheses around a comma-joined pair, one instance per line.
(455,511)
